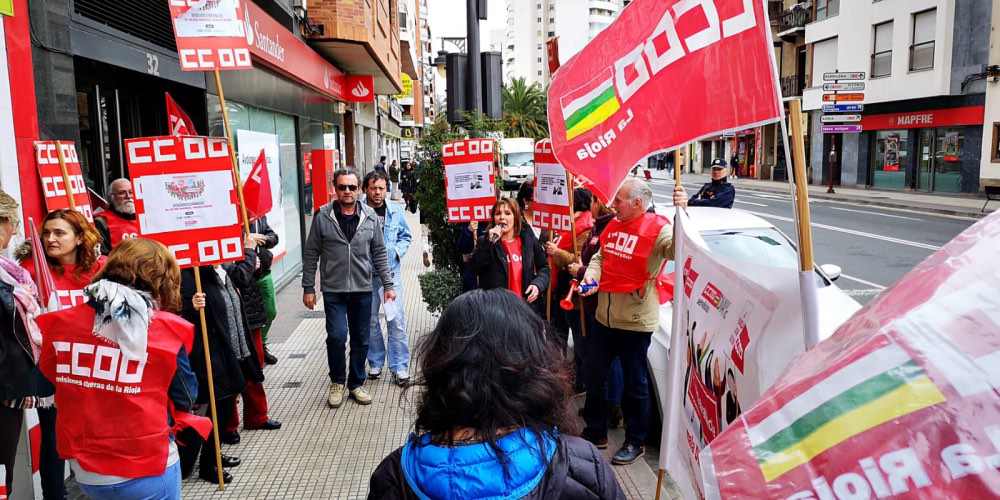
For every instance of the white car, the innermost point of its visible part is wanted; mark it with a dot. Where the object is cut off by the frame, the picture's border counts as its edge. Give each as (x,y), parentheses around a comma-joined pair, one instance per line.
(740,235)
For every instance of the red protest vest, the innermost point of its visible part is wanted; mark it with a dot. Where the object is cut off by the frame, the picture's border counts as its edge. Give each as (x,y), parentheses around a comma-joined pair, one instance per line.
(68,288)
(626,247)
(119,227)
(112,414)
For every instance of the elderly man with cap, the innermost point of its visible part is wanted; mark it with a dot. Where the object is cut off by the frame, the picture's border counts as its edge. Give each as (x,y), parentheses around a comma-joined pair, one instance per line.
(718,193)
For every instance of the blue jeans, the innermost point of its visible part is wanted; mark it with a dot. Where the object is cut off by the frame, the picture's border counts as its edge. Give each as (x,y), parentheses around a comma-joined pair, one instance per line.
(167,486)
(399,349)
(347,312)
(603,346)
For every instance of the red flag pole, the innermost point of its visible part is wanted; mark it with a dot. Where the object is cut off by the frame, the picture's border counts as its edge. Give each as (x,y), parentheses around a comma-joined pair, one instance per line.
(232,154)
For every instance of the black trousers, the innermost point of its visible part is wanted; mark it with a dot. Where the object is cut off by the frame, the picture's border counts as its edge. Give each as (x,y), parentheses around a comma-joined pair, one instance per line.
(51,468)
(10,431)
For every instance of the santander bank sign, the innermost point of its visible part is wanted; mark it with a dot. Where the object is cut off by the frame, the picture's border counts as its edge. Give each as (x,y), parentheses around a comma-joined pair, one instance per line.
(279,49)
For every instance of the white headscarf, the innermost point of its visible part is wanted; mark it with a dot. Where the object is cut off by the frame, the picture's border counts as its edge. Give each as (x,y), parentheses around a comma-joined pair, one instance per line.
(121,316)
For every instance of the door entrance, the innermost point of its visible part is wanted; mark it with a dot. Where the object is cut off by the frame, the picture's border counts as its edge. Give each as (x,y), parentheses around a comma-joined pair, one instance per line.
(939,166)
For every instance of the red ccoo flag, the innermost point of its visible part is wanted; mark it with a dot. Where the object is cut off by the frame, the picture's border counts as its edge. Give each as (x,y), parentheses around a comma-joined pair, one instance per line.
(178,121)
(553,53)
(48,298)
(257,189)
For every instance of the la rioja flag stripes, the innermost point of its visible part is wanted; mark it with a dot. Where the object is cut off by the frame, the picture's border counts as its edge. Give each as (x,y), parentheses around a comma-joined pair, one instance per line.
(591,105)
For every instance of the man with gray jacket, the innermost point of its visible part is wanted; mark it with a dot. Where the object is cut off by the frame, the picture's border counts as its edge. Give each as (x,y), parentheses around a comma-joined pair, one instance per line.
(346,240)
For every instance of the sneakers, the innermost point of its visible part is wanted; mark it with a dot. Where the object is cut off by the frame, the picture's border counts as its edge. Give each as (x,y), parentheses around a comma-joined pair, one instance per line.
(375,373)
(361,396)
(627,454)
(336,397)
(401,377)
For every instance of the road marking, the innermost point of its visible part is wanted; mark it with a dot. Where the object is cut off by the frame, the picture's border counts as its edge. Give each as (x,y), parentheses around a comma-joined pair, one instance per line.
(863,292)
(751,203)
(853,232)
(875,213)
(863,282)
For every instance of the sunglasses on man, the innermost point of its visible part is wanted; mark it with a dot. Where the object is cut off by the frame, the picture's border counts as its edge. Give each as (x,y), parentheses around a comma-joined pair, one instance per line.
(347,187)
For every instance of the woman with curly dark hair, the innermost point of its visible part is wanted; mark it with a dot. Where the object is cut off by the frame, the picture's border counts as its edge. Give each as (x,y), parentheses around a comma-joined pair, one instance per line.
(493,418)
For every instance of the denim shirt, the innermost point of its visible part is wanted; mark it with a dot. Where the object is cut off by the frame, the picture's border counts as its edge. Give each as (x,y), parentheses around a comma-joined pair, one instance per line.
(397,235)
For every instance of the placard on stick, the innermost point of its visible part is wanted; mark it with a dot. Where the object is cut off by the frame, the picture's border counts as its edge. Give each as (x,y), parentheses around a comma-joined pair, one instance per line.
(552,190)
(185,197)
(53,182)
(469,179)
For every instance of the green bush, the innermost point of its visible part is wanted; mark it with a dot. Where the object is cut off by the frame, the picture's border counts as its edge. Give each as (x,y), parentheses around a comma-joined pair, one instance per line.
(439,288)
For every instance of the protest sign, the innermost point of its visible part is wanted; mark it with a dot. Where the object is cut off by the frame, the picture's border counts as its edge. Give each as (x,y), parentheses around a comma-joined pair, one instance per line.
(210,35)
(185,197)
(250,146)
(552,190)
(469,179)
(660,77)
(738,326)
(53,182)
(900,402)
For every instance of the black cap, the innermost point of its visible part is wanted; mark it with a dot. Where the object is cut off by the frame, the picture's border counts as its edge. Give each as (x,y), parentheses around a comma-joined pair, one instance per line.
(719,163)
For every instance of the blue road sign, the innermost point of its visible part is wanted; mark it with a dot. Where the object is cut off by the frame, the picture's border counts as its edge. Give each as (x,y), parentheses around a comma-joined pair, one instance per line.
(854,108)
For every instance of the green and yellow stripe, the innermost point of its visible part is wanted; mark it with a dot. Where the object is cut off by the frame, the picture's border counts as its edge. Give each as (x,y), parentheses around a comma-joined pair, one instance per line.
(861,396)
(591,109)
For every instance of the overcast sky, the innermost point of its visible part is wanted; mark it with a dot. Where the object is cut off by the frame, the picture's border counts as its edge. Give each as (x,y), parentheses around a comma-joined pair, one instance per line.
(447,19)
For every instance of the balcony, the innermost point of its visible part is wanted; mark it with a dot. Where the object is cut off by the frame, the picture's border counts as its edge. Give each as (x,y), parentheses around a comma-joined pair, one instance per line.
(359,37)
(792,86)
(407,121)
(792,23)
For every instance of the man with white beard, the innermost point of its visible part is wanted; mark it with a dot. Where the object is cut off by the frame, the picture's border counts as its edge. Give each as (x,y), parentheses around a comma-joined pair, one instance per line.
(118,223)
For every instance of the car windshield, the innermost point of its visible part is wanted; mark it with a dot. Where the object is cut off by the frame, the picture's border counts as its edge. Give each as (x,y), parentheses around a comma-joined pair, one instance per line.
(765,245)
(520,159)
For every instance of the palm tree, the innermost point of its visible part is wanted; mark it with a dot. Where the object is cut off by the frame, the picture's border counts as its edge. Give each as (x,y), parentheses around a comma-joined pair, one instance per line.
(524,109)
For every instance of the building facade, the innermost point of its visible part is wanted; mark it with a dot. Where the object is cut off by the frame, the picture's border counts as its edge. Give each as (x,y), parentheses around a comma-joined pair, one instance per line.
(924,94)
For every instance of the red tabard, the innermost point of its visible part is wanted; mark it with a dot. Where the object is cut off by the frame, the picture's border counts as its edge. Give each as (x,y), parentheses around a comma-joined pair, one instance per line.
(514,265)
(113,412)
(119,228)
(69,289)
(626,247)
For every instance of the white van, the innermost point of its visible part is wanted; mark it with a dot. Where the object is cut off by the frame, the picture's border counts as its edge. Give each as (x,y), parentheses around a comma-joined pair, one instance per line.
(518,161)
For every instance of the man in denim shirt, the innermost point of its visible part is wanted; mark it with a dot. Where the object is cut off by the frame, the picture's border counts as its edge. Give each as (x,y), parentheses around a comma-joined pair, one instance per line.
(397,242)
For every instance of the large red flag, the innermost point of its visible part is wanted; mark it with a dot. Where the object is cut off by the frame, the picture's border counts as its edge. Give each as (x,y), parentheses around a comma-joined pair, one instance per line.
(666,73)
(257,189)
(177,120)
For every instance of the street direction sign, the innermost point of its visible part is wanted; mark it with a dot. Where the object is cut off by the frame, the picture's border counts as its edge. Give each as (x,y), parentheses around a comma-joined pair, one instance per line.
(841,129)
(844,86)
(855,75)
(843,97)
(840,118)
(853,108)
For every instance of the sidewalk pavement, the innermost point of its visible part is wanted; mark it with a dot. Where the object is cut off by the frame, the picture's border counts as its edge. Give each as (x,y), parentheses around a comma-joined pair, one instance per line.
(330,453)
(952,205)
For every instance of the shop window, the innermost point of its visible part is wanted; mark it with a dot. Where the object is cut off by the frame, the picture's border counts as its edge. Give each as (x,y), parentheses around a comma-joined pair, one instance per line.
(889,159)
(882,49)
(922,44)
(995,155)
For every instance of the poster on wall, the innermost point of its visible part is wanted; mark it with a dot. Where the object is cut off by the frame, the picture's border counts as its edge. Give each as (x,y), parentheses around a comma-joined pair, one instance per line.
(250,145)
(951,152)
(891,156)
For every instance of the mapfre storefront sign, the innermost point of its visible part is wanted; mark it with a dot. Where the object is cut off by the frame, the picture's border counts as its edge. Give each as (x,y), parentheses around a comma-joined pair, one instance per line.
(273,45)
(969,115)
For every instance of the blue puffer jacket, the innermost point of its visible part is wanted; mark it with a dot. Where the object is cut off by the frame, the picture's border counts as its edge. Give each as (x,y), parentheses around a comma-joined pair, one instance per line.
(569,467)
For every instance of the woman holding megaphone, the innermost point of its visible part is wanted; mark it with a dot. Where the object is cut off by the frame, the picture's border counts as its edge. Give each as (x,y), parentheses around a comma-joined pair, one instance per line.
(510,256)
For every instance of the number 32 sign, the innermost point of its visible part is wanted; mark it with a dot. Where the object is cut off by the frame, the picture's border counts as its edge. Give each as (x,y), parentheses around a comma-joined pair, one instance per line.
(185,197)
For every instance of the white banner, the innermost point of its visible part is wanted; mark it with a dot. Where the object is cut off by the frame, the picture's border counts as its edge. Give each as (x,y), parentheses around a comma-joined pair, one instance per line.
(469,180)
(182,201)
(550,184)
(209,18)
(734,332)
(250,143)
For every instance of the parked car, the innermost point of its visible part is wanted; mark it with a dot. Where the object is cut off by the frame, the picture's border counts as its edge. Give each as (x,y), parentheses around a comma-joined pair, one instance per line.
(736,234)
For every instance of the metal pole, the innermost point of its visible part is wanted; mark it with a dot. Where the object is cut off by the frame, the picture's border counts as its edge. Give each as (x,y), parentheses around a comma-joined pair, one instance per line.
(833,160)
(475,74)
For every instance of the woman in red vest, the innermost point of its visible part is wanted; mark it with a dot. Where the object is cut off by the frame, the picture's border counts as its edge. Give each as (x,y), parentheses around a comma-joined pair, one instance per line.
(70,252)
(510,256)
(120,365)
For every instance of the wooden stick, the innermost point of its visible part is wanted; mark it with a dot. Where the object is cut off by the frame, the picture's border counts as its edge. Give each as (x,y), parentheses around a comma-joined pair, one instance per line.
(576,252)
(65,175)
(659,476)
(802,198)
(211,383)
(232,155)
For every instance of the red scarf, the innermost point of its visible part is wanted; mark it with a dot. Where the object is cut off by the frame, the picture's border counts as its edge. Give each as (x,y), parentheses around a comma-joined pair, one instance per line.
(626,247)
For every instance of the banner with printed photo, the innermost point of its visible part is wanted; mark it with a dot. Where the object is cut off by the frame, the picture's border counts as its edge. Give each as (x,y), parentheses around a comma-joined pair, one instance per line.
(901,402)
(250,145)
(185,197)
(210,34)
(469,179)
(643,85)
(53,184)
(552,190)
(738,326)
